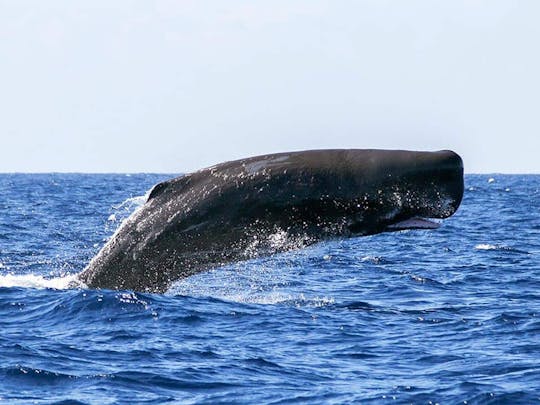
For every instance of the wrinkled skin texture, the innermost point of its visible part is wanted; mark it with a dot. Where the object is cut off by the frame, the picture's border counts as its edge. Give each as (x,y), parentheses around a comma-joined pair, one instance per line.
(272,203)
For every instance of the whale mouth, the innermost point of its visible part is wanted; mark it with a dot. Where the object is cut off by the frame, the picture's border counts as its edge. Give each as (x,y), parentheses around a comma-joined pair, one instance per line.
(415,223)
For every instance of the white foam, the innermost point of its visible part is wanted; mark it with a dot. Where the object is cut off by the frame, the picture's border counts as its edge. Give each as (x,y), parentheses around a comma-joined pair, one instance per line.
(486,246)
(371,259)
(37,281)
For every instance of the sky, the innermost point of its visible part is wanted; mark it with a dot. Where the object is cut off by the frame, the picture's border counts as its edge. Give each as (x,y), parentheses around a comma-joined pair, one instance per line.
(174,86)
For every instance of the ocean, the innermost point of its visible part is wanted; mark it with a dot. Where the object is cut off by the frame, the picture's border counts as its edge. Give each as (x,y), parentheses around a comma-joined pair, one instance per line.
(444,316)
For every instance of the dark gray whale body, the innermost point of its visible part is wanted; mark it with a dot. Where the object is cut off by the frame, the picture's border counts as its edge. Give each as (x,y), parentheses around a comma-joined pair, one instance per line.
(272,203)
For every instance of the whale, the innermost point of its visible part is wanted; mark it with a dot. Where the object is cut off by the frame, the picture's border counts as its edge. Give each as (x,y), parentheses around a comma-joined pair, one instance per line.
(273,203)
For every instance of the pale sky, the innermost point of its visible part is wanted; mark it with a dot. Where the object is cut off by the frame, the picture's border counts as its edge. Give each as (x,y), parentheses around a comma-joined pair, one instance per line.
(173,86)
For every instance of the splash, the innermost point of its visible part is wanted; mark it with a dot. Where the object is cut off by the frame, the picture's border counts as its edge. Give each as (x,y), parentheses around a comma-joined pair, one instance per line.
(131,203)
(272,280)
(39,282)
(121,212)
(254,294)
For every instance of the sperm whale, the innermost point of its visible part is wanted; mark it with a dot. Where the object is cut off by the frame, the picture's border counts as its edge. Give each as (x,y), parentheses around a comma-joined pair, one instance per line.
(216,215)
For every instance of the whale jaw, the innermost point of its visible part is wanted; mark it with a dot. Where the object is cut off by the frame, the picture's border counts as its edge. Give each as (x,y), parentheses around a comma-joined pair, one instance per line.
(413,223)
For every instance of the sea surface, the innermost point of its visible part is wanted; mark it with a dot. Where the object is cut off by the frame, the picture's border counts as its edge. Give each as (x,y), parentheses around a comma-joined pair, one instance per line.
(444,316)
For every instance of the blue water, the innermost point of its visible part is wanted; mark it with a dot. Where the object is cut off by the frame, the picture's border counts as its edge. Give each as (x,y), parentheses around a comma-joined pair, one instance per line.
(443,316)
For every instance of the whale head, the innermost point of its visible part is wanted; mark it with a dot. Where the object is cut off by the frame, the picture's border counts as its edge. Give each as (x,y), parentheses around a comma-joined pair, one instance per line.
(404,190)
(342,192)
